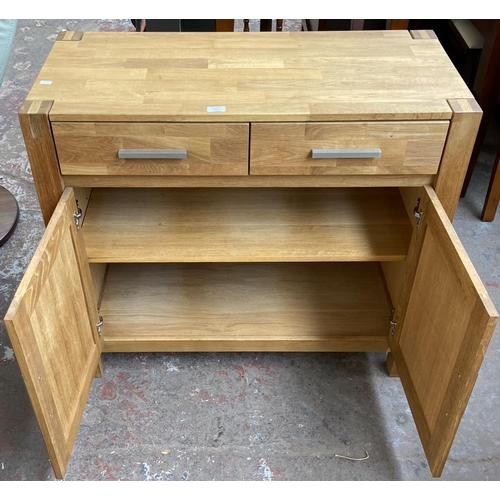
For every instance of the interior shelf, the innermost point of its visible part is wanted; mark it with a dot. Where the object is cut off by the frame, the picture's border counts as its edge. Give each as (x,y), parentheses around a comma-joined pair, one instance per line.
(246,225)
(245,307)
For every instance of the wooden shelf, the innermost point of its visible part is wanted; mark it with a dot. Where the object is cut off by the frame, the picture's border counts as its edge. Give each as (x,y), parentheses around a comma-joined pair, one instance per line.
(246,225)
(245,307)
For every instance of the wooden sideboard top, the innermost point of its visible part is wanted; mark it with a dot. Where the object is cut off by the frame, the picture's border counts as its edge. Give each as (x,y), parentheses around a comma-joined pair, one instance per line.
(291,76)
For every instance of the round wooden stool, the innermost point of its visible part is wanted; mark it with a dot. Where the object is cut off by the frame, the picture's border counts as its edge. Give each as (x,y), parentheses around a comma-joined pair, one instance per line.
(9,214)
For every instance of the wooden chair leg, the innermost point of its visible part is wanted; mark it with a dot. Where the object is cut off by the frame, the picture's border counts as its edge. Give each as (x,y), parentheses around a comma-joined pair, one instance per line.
(279,24)
(398,24)
(246,23)
(357,24)
(99,371)
(486,89)
(481,134)
(493,194)
(266,25)
(322,25)
(224,25)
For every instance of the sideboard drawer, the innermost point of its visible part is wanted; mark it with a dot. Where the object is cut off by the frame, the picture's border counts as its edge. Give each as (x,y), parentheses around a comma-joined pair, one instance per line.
(152,148)
(347,148)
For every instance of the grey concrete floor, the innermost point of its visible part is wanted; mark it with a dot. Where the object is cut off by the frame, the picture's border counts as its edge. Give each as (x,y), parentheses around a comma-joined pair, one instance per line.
(231,416)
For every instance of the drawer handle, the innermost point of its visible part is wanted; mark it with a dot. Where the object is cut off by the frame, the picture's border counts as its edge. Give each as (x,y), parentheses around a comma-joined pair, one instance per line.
(347,153)
(151,154)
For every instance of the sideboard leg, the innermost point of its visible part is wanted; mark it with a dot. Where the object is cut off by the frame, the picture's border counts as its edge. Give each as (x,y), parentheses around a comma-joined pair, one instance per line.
(457,152)
(100,367)
(37,132)
(392,369)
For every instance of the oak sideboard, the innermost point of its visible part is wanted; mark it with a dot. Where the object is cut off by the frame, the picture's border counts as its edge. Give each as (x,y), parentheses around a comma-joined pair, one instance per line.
(250,192)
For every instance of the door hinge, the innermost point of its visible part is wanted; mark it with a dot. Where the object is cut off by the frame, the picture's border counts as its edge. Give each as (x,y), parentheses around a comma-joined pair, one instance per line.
(392,322)
(418,213)
(99,325)
(78,215)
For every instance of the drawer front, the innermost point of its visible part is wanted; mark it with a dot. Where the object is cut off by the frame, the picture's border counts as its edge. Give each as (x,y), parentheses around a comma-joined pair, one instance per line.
(347,148)
(152,148)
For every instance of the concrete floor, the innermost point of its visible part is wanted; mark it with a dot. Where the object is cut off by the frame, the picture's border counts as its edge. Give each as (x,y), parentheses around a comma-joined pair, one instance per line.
(252,416)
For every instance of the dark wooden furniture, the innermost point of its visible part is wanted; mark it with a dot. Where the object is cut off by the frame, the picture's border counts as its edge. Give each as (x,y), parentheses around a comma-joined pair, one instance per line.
(353,24)
(487,92)
(220,25)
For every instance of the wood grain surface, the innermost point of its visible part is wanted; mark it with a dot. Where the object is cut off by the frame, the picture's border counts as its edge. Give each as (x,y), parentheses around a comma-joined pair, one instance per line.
(247,181)
(464,125)
(37,133)
(267,268)
(92,148)
(245,307)
(292,76)
(51,324)
(406,147)
(246,225)
(444,329)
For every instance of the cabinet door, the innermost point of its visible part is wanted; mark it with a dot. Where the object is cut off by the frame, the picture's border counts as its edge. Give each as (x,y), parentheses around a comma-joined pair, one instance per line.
(448,321)
(52,326)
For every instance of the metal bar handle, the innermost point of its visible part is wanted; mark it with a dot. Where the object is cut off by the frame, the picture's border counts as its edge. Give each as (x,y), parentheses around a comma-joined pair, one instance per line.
(152,154)
(347,153)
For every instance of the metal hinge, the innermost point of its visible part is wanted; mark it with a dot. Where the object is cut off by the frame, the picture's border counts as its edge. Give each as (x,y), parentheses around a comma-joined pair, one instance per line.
(78,215)
(99,325)
(392,322)
(418,213)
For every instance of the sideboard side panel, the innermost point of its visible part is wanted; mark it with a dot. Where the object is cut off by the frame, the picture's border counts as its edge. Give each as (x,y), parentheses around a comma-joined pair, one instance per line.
(37,132)
(457,152)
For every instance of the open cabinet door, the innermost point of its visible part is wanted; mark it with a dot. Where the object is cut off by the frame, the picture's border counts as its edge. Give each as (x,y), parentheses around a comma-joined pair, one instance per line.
(447,325)
(52,326)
